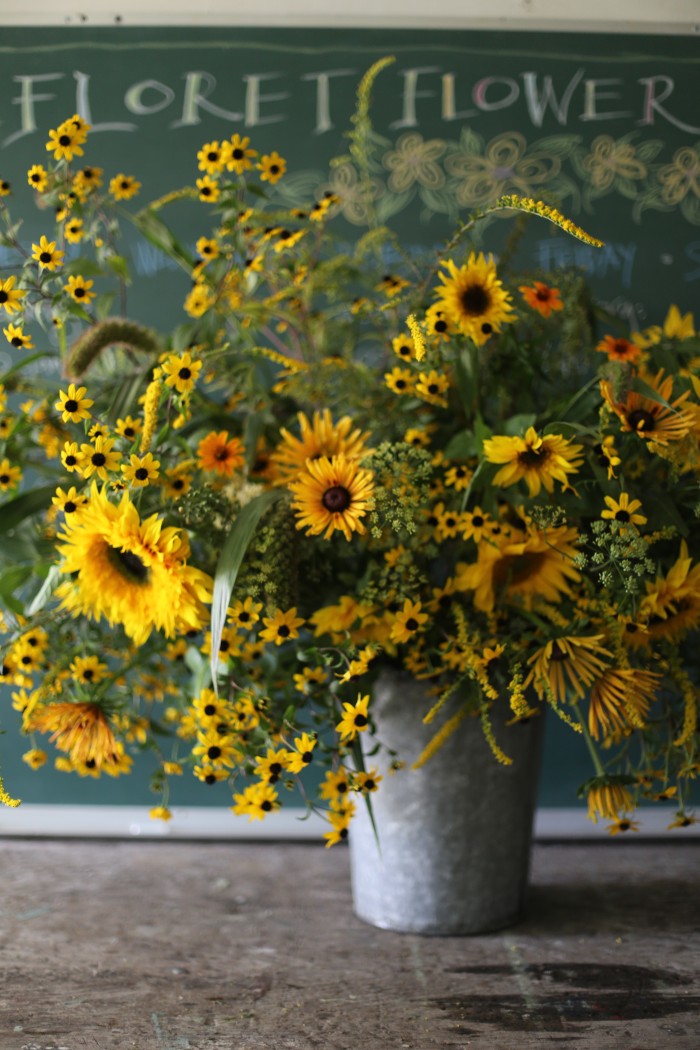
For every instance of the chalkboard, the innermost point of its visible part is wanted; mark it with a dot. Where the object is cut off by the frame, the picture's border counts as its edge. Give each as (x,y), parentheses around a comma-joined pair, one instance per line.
(606,127)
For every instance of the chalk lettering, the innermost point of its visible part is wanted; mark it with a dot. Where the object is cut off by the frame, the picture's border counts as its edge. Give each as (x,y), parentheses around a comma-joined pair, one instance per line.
(410,94)
(652,103)
(198,87)
(482,86)
(598,262)
(82,106)
(592,95)
(323,107)
(448,100)
(538,99)
(133,99)
(26,100)
(253,98)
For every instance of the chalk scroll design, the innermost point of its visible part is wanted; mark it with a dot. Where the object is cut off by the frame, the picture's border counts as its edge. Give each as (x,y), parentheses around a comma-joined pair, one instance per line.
(452,176)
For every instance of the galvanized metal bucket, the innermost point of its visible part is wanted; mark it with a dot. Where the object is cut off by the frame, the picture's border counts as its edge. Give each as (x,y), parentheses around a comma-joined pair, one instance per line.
(453,847)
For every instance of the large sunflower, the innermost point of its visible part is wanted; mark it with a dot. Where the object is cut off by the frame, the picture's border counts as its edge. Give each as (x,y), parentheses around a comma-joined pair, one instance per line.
(671,606)
(320,436)
(473,299)
(516,567)
(332,494)
(130,572)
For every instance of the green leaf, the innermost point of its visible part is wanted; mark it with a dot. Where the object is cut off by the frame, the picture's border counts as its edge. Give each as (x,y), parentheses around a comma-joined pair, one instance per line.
(518,425)
(119,265)
(12,513)
(45,591)
(22,364)
(467,380)
(155,231)
(462,446)
(230,561)
(13,578)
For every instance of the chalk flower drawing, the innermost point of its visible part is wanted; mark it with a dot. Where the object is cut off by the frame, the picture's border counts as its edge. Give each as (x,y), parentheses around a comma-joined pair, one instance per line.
(609,159)
(680,182)
(504,165)
(414,160)
(356,195)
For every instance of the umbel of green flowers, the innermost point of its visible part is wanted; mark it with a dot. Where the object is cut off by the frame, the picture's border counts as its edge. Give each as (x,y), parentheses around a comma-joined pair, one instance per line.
(215,536)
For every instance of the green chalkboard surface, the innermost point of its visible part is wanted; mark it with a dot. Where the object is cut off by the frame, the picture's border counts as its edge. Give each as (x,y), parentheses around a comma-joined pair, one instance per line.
(605,127)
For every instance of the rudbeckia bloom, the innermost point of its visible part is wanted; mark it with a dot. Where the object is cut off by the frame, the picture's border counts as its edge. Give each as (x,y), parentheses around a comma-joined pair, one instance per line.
(661,420)
(130,573)
(541,298)
(537,460)
(320,436)
(332,494)
(473,298)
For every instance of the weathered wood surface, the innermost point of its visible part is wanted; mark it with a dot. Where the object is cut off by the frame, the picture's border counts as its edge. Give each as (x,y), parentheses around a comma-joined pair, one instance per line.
(164,946)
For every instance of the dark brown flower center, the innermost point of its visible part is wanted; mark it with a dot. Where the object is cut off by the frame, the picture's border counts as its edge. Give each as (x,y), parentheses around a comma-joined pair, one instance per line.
(71,405)
(641,419)
(475,300)
(336,499)
(129,564)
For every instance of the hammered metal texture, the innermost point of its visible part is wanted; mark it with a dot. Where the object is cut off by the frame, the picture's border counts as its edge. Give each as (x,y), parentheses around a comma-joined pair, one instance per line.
(455,835)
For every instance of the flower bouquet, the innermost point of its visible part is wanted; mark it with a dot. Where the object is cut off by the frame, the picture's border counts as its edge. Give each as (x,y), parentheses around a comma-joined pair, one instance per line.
(339,459)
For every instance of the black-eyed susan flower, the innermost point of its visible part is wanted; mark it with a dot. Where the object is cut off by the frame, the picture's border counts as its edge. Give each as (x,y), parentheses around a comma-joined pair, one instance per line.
(124,187)
(82,730)
(211,158)
(623,510)
(432,387)
(238,154)
(88,670)
(37,177)
(458,477)
(619,699)
(256,801)
(69,502)
(73,405)
(354,719)
(282,626)
(403,347)
(245,613)
(35,758)
(74,231)
(473,298)
(408,621)
(181,371)
(618,349)
(622,825)
(65,142)
(682,820)
(270,766)
(160,813)
(141,470)
(80,289)
(367,781)
(438,325)
(208,248)
(541,297)
(339,823)
(400,380)
(219,453)
(271,167)
(332,494)
(130,572)
(10,476)
(16,337)
(199,300)
(10,297)
(208,189)
(308,677)
(71,456)
(303,753)
(86,180)
(177,481)
(46,254)
(128,428)
(539,461)
(100,458)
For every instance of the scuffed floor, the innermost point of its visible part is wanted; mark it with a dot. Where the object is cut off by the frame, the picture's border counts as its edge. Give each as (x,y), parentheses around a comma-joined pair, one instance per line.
(195,946)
